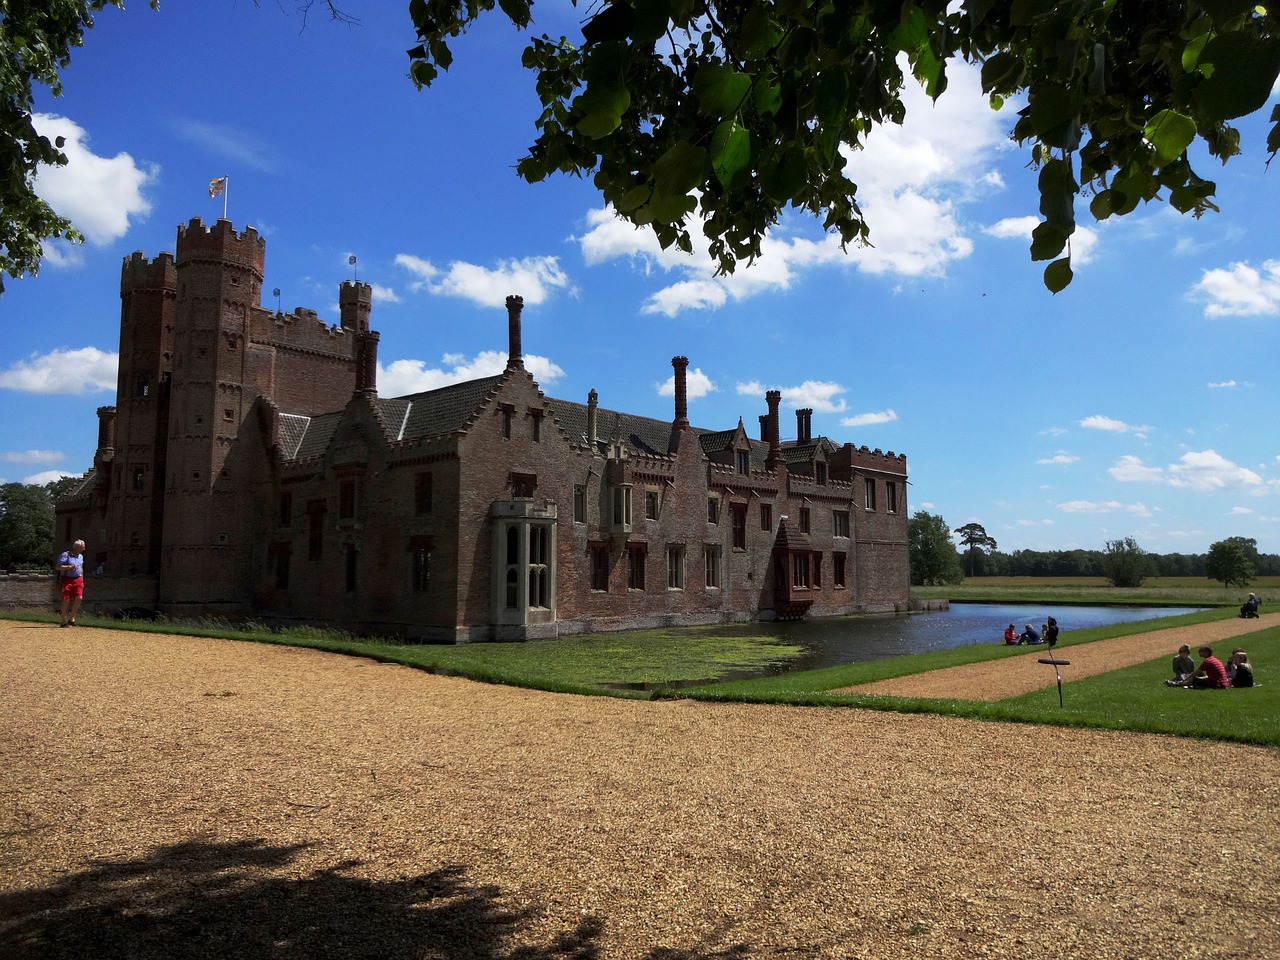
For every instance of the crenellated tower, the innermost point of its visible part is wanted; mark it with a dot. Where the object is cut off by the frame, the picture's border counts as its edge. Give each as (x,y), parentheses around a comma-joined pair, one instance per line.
(135,477)
(219,287)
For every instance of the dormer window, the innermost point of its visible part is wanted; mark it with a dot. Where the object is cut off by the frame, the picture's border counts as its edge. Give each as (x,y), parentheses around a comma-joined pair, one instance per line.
(744,462)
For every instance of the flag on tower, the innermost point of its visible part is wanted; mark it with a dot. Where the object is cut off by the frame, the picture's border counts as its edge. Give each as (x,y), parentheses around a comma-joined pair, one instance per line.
(216,186)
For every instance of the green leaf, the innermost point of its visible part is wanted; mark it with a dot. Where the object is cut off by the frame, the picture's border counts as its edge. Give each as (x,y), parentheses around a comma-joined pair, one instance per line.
(1057,194)
(651,20)
(731,154)
(1191,52)
(1103,205)
(833,96)
(680,169)
(1054,111)
(665,209)
(600,109)
(720,89)
(768,98)
(1047,241)
(1244,71)
(787,176)
(1170,133)
(759,33)
(1057,275)
(911,32)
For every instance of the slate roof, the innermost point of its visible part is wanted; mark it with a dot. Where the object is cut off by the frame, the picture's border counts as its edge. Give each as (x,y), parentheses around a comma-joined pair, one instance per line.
(644,435)
(433,412)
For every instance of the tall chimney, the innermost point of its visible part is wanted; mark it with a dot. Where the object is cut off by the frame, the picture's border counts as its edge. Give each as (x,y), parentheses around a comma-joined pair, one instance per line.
(681,364)
(593,400)
(774,397)
(764,427)
(515,356)
(367,362)
(106,430)
(804,425)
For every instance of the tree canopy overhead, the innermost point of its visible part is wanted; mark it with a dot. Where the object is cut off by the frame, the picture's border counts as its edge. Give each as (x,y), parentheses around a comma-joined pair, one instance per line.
(717,115)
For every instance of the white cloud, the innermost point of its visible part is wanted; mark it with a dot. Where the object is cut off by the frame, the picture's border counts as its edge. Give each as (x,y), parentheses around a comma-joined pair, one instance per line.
(869,419)
(820,396)
(1083,241)
(1131,469)
(76,372)
(1099,422)
(1240,291)
(911,181)
(1221,384)
(31,456)
(1207,470)
(697,384)
(383,294)
(97,194)
(402,377)
(1104,506)
(534,278)
(1060,457)
(1202,470)
(47,476)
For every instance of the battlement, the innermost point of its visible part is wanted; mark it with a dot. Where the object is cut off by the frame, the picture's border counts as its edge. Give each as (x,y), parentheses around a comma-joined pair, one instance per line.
(221,242)
(302,330)
(139,273)
(865,458)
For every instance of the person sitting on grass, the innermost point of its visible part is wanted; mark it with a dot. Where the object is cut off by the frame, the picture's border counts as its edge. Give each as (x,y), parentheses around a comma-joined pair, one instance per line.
(1212,675)
(1010,635)
(1183,666)
(1029,635)
(1240,669)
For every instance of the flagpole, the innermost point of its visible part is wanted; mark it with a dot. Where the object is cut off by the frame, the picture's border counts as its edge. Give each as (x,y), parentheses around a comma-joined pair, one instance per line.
(226,189)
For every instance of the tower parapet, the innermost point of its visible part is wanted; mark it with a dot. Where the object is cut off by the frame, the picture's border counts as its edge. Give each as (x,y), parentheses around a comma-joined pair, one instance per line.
(355,300)
(139,274)
(223,244)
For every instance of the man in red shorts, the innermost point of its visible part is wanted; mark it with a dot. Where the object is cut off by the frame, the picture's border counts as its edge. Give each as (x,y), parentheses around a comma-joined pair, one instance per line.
(71,577)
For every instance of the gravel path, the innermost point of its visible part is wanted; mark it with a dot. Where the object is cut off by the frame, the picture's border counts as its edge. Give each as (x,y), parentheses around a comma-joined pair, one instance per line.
(1013,676)
(167,797)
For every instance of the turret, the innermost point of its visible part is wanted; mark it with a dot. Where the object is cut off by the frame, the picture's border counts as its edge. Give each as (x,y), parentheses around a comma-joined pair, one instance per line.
(355,300)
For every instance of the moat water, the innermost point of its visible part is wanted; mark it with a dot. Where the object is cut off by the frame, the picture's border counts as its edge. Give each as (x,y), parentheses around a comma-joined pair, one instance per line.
(843,640)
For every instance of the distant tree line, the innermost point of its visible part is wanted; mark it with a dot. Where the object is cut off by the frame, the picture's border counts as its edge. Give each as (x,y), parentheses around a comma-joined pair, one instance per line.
(935,560)
(1093,563)
(26,524)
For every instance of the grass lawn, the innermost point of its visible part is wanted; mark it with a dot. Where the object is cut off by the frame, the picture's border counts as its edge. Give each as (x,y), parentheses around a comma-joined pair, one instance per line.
(1155,592)
(630,663)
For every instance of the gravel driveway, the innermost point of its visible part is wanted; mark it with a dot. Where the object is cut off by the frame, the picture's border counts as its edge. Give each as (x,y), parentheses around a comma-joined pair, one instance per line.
(168,797)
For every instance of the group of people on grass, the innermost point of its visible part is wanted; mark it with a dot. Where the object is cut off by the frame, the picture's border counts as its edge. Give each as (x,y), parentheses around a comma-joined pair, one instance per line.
(1048,633)
(1212,674)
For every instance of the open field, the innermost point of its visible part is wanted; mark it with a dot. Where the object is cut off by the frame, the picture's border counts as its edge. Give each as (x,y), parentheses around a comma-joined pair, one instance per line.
(169,797)
(1156,591)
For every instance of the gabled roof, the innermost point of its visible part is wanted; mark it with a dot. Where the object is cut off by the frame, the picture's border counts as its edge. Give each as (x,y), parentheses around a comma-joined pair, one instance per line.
(306,437)
(434,412)
(417,416)
(82,487)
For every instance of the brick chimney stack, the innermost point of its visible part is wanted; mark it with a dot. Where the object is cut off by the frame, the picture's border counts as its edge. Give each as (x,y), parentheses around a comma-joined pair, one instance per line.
(804,425)
(593,400)
(367,362)
(515,355)
(764,427)
(681,364)
(774,398)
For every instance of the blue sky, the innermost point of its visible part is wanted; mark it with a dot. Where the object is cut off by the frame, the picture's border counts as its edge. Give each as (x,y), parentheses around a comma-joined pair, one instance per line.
(1141,401)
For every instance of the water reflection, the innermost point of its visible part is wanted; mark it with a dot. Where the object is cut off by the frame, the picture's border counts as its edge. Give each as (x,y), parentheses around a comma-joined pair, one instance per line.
(834,642)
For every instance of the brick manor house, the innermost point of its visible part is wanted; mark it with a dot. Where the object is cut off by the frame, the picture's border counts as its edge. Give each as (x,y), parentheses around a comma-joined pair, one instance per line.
(249,467)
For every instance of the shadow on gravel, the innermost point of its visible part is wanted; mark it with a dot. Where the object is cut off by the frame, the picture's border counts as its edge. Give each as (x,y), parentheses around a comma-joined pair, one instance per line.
(203,900)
